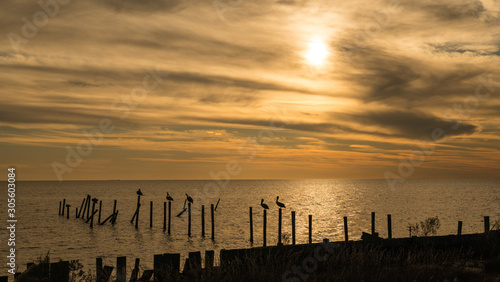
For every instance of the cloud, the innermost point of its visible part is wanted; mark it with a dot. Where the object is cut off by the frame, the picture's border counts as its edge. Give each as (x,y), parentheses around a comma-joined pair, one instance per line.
(412,124)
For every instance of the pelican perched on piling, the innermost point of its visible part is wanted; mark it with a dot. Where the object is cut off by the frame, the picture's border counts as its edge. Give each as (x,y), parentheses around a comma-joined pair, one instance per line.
(169,198)
(280,204)
(139,192)
(264,205)
(94,200)
(189,198)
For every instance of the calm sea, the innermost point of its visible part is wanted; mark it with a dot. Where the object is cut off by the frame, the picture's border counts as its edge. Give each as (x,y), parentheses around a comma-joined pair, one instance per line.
(41,230)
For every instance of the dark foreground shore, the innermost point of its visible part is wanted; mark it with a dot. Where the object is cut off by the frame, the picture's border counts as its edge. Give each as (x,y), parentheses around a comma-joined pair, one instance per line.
(474,257)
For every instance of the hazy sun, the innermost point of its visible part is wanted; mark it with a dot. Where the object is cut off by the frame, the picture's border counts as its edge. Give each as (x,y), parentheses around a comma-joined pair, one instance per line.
(316,53)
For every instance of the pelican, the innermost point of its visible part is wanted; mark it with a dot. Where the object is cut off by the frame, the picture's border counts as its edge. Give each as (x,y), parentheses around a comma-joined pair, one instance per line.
(189,198)
(169,198)
(139,192)
(94,200)
(264,205)
(281,205)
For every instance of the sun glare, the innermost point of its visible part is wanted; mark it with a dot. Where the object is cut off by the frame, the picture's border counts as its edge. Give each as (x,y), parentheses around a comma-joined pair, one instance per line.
(316,53)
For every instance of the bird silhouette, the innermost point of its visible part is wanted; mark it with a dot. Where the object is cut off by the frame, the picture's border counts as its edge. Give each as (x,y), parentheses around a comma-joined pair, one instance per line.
(189,198)
(94,200)
(281,205)
(169,197)
(139,192)
(264,205)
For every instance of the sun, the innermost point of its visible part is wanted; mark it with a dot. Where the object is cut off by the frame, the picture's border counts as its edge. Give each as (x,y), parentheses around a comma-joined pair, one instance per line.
(316,53)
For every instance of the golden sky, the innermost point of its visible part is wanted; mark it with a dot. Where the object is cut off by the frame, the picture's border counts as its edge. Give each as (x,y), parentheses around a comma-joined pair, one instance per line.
(183,89)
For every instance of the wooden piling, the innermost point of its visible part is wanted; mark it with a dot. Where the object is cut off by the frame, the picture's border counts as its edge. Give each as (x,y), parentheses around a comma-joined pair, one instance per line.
(67,211)
(135,271)
(459,232)
(98,269)
(63,205)
(189,219)
(92,217)
(279,227)
(346,233)
(310,228)
(115,215)
(121,269)
(195,261)
(100,209)
(209,259)
(213,221)
(169,215)
(389,226)
(108,218)
(486,224)
(164,216)
(293,227)
(373,223)
(81,208)
(82,213)
(114,207)
(137,212)
(251,225)
(60,203)
(150,214)
(264,227)
(88,206)
(76,213)
(203,221)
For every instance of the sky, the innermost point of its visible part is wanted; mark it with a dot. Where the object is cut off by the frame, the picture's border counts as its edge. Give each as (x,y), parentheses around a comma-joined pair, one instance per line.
(240,89)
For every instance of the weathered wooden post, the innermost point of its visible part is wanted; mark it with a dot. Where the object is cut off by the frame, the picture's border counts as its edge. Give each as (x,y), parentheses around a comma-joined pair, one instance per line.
(150,214)
(67,211)
(264,227)
(486,224)
(114,207)
(346,233)
(189,219)
(100,208)
(137,212)
(203,221)
(76,212)
(164,216)
(63,205)
(389,226)
(169,215)
(92,217)
(310,228)
(88,206)
(209,259)
(373,223)
(135,271)
(251,225)
(81,208)
(121,269)
(459,232)
(98,269)
(293,227)
(279,227)
(60,203)
(213,221)
(82,212)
